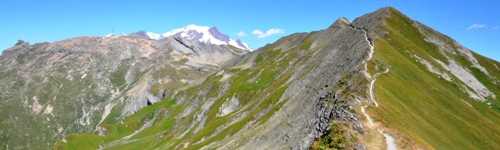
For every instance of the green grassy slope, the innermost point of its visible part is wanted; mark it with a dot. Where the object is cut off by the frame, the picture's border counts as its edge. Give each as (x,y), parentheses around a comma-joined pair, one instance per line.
(161,113)
(434,112)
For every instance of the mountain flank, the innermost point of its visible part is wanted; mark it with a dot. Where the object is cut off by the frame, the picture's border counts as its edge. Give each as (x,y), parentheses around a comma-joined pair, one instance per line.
(382,81)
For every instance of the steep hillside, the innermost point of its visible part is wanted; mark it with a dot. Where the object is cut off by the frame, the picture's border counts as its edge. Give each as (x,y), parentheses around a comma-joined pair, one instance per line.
(53,89)
(432,93)
(280,96)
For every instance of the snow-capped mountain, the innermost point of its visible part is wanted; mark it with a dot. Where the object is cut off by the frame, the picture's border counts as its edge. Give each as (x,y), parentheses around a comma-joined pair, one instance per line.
(203,34)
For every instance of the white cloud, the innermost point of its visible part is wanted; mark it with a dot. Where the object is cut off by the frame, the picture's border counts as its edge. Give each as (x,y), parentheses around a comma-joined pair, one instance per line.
(269,32)
(477,26)
(241,34)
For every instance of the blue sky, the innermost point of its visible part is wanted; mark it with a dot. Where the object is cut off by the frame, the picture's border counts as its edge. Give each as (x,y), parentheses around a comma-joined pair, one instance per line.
(475,24)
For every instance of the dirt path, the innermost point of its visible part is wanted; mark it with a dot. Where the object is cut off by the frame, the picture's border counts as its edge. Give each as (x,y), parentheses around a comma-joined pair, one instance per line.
(390,142)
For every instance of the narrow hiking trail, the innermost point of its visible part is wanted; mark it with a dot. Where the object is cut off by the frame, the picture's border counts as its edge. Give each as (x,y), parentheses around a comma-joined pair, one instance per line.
(390,141)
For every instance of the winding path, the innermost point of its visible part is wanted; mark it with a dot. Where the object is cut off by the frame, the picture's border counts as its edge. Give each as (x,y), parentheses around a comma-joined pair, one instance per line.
(389,140)
(372,86)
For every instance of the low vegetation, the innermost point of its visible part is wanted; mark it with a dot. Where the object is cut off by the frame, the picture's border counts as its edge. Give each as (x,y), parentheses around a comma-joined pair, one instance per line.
(432,111)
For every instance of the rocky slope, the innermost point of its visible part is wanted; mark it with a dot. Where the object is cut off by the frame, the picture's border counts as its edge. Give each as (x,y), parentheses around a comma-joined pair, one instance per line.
(383,81)
(52,89)
(280,96)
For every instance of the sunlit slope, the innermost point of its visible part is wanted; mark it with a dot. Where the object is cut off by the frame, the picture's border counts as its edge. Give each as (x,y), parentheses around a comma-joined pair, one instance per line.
(422,99)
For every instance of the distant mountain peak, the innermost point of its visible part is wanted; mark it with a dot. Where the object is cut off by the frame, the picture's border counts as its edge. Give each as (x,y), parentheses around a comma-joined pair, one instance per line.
(20,42)
(205,34)
(342,21)
(388,9)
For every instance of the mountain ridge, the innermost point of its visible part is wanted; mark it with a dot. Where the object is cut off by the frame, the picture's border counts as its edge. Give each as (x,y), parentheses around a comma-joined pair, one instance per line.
(195,32)
(343,87)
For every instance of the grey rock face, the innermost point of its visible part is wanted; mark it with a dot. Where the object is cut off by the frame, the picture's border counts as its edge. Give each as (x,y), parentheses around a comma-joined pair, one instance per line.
(313,98)
(122,74)
(311,105)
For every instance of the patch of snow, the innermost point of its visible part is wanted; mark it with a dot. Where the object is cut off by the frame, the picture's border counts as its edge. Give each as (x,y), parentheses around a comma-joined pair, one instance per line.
(114,35)
(199,33)
(239,44)
(154,36)
(203,34)
(109,35)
